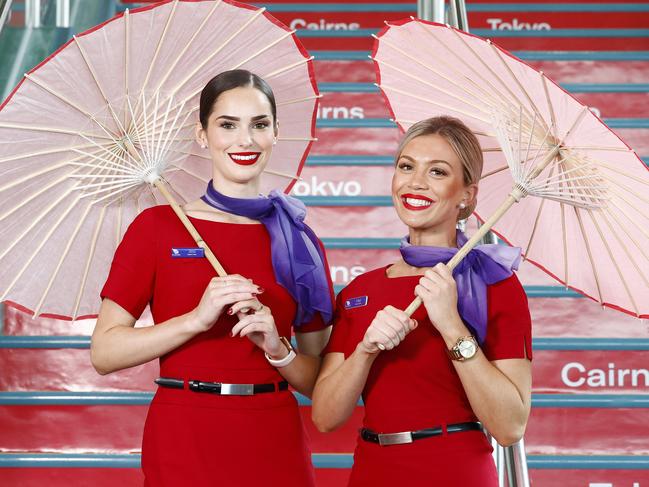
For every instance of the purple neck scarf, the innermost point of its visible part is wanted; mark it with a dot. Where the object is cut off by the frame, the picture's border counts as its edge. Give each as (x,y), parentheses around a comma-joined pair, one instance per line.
(483,265)
(298,260)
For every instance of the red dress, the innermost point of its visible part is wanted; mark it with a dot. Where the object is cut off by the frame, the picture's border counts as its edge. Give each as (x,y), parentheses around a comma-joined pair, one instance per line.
(415,386)
(202,439)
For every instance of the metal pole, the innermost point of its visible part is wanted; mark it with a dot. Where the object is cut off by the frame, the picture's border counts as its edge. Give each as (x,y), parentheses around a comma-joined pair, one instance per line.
(5,9)
(33,13)
(63,13)
(431,10)
(517,474)
(459,9)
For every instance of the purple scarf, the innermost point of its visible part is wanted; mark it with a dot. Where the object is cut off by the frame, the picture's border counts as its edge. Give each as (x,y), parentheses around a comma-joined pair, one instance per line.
(298,260)
(483,265)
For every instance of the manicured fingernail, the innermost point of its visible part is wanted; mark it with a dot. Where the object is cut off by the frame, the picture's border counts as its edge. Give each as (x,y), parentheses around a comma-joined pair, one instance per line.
(260,289)
(230,311)
(231,334)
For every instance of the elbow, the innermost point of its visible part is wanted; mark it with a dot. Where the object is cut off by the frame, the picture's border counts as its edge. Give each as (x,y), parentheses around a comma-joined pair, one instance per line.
(322,421)
(511,436)
(98,362)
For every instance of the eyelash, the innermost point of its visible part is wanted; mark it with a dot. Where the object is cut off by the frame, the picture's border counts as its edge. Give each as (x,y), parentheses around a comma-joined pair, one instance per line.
(257,125)
(407,166)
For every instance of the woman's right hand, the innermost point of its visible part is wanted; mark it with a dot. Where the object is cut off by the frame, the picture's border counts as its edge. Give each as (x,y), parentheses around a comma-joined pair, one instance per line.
(388,328)
(219,293)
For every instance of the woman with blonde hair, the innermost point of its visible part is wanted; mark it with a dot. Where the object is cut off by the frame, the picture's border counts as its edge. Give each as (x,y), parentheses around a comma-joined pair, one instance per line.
(430,383)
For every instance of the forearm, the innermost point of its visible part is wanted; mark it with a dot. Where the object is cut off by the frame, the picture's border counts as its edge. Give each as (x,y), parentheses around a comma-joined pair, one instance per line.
(122,346)
(336,395)
(301,373)
(494,398)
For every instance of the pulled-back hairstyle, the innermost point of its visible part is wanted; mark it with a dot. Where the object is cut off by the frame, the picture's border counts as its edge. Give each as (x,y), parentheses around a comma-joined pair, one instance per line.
(228,80)
(463,142)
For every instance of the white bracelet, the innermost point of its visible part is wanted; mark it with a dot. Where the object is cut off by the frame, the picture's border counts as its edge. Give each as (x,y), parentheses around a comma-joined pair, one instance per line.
(283,362)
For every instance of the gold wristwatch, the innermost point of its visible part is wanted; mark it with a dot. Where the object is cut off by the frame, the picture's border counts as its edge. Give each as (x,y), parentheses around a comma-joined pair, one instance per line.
(464,349)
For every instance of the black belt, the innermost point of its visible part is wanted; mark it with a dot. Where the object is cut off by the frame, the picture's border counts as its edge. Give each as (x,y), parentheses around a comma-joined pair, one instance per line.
(386,439)
(221,388)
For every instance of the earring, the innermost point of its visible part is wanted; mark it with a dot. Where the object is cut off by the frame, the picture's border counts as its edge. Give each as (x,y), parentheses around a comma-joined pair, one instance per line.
(462,205)
(275,141)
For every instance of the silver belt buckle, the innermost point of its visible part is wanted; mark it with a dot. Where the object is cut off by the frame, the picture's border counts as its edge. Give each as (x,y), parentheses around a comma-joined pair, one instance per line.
(387,439)
(237,389)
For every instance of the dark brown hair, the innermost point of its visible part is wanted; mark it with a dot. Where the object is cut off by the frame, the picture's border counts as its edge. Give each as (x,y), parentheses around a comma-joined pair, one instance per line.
(228,80)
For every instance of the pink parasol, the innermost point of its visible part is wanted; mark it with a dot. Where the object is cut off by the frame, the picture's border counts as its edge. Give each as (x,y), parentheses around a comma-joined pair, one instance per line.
(557,182)
(90,137)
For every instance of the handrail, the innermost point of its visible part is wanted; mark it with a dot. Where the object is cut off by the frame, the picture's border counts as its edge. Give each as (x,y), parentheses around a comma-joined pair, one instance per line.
(5,8)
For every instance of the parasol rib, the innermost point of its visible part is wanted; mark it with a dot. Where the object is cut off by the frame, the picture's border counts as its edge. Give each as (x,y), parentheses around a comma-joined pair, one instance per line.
(68,102)
(156,53)
(433,102)
(584,235)
(38,193)
(212,55)
(488,68)
(66,250)
(615,264)
(91,253)
(127,48)
(626,231)
(553,118)
(54,130)
(44,240)
(98,84)
(626,249)
(620,172)
(434,86)
(495,101)
(47,152)
(188,44)
(536,223)
(286,69)
(496,49)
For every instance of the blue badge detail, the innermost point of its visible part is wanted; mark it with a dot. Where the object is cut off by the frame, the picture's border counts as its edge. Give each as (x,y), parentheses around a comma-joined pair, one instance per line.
(187,253)
(355,302)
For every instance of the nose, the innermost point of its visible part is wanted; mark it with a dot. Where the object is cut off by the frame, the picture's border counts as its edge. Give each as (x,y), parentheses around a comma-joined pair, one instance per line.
(245,138)
(418,180)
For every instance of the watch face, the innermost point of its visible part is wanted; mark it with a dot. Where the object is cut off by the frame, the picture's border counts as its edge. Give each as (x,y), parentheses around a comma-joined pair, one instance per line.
(467,348)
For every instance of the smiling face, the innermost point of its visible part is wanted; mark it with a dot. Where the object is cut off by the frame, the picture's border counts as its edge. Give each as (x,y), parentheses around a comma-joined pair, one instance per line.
(428,187)
(240,134)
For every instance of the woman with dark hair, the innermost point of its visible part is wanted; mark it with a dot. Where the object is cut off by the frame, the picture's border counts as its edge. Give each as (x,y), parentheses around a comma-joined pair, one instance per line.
(463,358)
(223,414)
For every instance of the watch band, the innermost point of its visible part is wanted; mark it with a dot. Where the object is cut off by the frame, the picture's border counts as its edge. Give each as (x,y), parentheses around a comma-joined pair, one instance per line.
(286,360)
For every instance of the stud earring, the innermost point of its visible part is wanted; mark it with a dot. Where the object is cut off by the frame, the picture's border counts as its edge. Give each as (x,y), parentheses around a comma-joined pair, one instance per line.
(462,205)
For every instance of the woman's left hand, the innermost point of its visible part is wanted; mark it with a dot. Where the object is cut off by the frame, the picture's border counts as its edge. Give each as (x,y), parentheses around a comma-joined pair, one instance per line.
(259,327)
(438,291)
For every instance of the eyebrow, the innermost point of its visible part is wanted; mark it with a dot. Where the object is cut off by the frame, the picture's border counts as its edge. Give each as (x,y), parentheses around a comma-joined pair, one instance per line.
(237,119)
(432,161)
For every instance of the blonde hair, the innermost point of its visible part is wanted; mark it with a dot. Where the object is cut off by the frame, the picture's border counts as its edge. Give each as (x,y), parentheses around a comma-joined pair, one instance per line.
(463,142)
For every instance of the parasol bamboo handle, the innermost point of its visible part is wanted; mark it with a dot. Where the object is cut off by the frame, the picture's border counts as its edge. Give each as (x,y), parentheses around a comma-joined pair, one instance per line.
(513,197)
(160,184)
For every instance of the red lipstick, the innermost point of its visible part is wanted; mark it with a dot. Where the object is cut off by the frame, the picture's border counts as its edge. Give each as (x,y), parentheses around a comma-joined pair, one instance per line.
(416,202)
(244,158)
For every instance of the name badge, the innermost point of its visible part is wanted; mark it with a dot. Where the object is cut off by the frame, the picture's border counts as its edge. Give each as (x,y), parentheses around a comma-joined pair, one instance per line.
(356,302)
(187,253)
